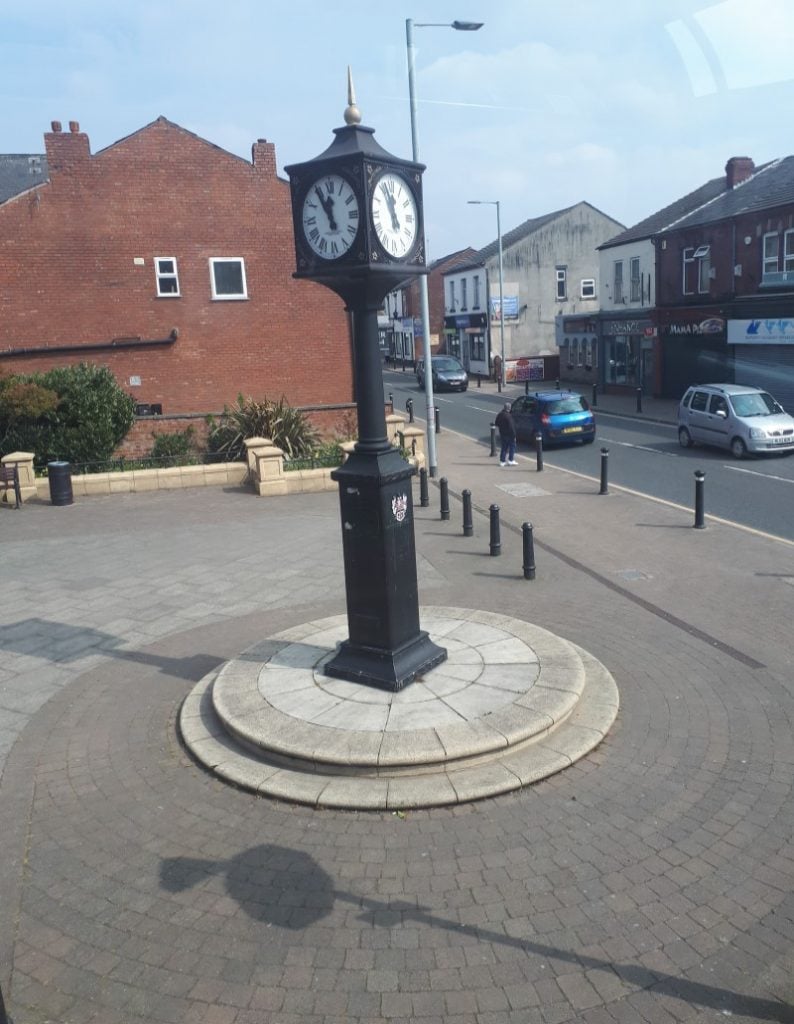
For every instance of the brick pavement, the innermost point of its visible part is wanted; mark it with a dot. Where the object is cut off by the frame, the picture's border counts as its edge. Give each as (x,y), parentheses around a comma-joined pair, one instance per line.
(653,881)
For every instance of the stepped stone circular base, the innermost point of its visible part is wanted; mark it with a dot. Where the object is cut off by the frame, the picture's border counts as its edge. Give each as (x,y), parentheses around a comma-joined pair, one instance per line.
(512,704)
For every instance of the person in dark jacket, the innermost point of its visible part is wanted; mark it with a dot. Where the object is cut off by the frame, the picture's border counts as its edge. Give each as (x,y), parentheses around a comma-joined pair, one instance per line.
(507,434)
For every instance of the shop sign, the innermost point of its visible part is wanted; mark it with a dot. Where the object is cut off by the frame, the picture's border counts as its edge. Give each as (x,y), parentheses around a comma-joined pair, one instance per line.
(711,325)
(510,305)
(772,331)
(524,369)
(612,327)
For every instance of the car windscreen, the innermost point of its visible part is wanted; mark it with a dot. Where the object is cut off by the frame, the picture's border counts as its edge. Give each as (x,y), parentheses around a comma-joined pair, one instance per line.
(446,365)
(759,403)
(564,405)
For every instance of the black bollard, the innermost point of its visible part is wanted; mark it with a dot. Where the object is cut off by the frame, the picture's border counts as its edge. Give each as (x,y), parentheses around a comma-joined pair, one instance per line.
(479,380)
(496,541)
(443,488)
(557,384)
(438,421)
(595,395)
(468,525)
(639,399)
(493,439)
(529,552)
(526,387)
(539,451)
(604,471)
(700,518)
(424,497)
(409,408)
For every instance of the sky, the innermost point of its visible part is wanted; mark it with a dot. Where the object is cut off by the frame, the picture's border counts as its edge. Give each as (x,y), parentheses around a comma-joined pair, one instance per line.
(626,104)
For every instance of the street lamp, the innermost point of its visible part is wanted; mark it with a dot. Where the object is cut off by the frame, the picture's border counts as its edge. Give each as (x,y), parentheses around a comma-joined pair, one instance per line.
(459,26)
(495,202)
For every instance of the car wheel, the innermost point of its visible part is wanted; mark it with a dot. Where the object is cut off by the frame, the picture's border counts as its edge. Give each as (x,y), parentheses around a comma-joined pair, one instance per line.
(738,448)
(685,438)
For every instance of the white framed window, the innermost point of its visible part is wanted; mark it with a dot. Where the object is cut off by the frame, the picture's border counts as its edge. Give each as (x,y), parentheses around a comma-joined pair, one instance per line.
(587,288)
(166,276)
(452,296)
(463,290)
(788,251)
(562,283)
(476,291)
(688,272)
(771,264)
(703,255)
(227,277)
(634,279)
(617,295)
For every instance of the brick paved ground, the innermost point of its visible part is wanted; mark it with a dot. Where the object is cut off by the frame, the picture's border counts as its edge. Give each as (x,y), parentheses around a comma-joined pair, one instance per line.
(654,881)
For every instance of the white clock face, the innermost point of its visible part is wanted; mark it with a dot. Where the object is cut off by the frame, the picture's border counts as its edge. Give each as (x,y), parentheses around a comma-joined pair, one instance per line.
(394,215)
(330,216)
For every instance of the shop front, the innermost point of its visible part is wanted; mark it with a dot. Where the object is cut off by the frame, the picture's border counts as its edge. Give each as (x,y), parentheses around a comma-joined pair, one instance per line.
(694,349)
(629,354)
(762,351)
(465,337)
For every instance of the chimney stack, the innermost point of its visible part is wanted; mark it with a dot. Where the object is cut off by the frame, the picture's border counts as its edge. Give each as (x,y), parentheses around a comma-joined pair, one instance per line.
(263,156)
(66,151)
(738,169)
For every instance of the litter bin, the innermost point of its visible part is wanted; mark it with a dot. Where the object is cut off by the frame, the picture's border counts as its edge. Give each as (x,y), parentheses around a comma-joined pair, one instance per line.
(60,477)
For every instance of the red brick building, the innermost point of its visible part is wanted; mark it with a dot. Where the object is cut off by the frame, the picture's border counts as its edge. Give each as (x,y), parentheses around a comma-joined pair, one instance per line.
(170,261)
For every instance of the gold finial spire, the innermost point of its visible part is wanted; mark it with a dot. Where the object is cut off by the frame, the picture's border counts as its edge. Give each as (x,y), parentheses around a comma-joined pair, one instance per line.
(352,113)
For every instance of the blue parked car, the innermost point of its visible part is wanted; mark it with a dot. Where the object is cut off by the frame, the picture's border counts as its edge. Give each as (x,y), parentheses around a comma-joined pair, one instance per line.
(558,417)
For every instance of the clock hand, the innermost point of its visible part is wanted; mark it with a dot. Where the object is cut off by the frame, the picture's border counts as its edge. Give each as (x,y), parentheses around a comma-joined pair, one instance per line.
(327,204)
(392,210)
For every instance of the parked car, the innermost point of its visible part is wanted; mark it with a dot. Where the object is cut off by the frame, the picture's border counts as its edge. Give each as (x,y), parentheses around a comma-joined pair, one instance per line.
(742,419)
(558,417)
(448,374)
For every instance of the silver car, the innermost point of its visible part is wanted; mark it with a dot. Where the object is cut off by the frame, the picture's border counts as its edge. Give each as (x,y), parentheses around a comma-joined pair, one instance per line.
(742,419)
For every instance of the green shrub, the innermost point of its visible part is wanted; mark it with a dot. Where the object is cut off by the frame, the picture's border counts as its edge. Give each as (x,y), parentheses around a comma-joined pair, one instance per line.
(177,449)
(90,419)
(287,428)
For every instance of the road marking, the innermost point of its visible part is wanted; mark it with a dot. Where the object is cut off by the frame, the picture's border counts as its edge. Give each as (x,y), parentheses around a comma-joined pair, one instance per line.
(754,472)
(480,408)
(639,447)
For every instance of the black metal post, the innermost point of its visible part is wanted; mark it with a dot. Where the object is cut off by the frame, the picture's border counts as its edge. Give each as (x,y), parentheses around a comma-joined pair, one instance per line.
(539,451)
(443,488)
(409,408)
(639,399)
(529,552)
(496,540)
(604,471)
(468,525)
(526,387)
(479,380)
(424,497)
(595,395)
(493,439)
(438,421)
(700,518)
(557,383)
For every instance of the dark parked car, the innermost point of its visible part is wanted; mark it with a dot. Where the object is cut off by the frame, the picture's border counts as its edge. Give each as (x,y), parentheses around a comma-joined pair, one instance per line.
(558,417)
(448,374)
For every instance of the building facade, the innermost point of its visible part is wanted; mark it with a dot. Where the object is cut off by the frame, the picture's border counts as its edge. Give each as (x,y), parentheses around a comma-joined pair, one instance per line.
(549,268)
(170,261)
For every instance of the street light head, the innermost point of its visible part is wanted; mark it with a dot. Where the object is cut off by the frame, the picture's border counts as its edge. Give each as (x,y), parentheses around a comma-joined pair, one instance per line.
(467,26)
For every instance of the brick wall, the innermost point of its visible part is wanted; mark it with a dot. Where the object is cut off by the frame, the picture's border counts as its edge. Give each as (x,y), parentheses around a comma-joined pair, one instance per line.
(77,269)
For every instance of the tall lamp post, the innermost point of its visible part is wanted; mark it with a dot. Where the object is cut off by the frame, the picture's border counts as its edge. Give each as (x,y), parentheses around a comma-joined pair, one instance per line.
(495,202)
(459,26)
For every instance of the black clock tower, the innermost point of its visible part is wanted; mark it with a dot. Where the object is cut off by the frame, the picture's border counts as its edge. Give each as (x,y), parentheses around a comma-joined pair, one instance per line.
(357,218)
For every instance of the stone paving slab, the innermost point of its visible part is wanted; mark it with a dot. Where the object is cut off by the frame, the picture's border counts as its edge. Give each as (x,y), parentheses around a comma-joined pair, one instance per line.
(651,881)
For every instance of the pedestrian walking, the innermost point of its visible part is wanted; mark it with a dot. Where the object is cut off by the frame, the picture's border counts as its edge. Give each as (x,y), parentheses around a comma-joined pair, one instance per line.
(507,435)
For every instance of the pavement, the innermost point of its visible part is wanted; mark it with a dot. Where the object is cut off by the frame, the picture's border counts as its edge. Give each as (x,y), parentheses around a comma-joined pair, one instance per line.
(651,881)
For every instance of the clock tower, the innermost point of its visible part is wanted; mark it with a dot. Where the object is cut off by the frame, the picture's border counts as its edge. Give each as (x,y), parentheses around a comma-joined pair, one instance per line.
(358,225)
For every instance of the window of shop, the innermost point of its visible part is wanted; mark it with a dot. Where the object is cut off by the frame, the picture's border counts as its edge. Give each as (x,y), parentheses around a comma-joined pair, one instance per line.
(587,288)
(703,256)
(634,277)
(477,348)
(573,346)
(476,291)
(620,354)
(452,296)
(580,352)
(688,272)
(166,276)
(227,277)
(617,277)
(788,251)
(463,289)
